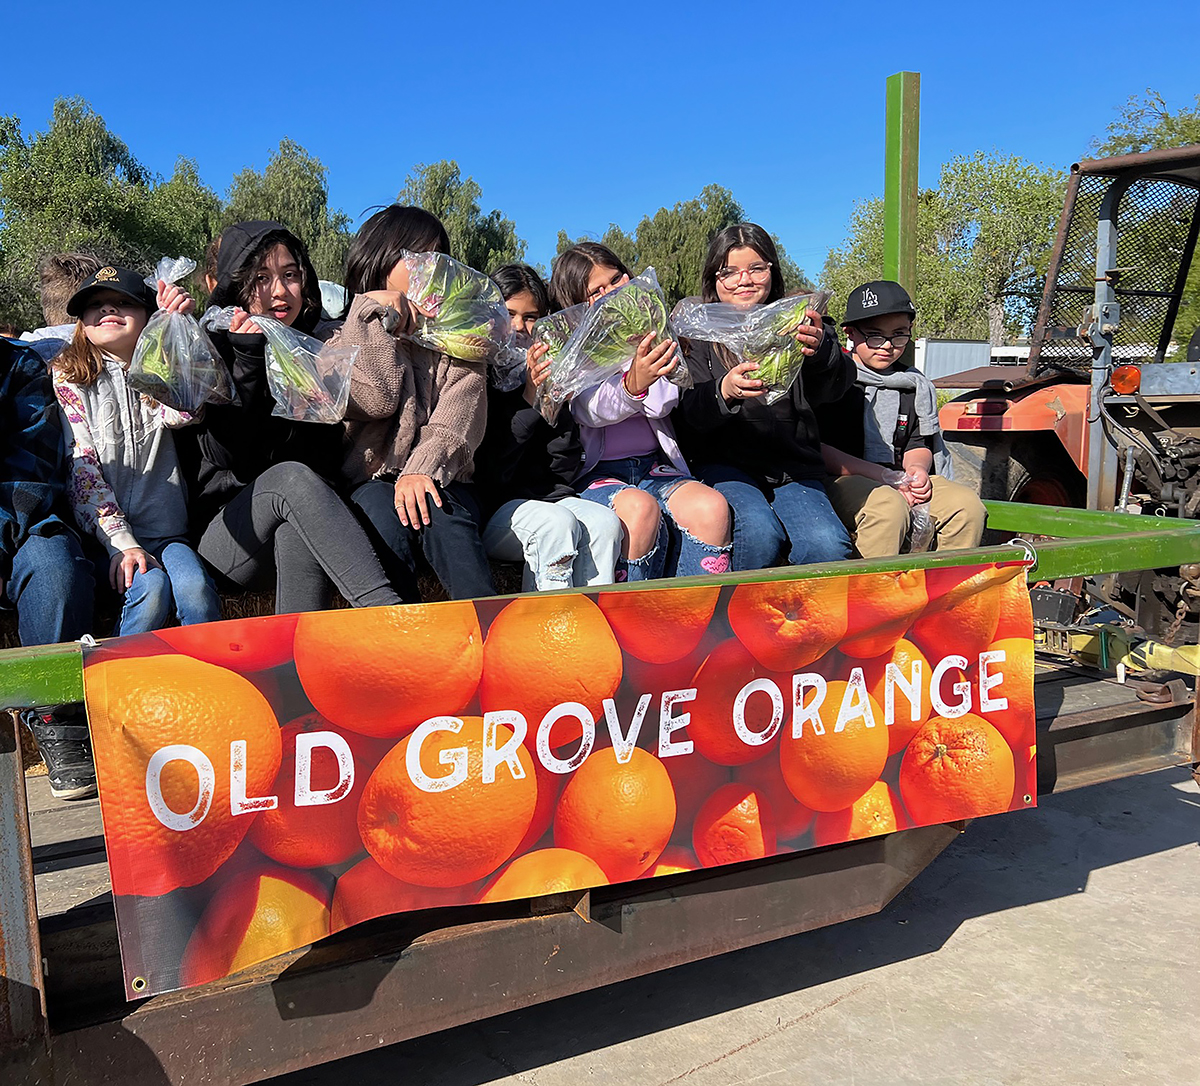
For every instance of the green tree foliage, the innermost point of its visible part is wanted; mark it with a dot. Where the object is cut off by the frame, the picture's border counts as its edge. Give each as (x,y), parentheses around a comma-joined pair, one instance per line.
(674,241)
(1148,123)
(480,241)
(293,190)
(983,237)
(77,186)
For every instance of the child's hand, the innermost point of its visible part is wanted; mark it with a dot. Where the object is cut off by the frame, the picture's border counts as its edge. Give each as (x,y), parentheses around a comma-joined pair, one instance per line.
(649,364)
(411,506)
(174,299)
(809,336)
(921,488)
(736,385)
(242,324)
(123,566)
(537,369)
(401,304)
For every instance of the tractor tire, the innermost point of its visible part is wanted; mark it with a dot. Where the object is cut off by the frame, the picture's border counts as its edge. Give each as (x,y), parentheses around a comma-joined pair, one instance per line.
(1022,467)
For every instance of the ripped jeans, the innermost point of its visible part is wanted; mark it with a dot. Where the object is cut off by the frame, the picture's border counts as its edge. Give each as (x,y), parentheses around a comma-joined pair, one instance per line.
(562,544)
(676,552)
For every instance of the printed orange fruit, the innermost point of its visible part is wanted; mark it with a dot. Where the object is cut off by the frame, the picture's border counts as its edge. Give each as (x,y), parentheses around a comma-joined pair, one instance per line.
(904,655)
(1016,723)
(659,625)
(366,891)
(549,788)
(718,682)
(878,810)
(137,708)
(243,644)
(963,610)
(256,915)
(545,871)
(735,823)
(954,769)
(545,650)
(694,779)
(383,670)
(881,607)
(787,625)
(325,833)
(1016,612)
(675,860)
(829,767)
(457,834)
(621,815)
(792,818)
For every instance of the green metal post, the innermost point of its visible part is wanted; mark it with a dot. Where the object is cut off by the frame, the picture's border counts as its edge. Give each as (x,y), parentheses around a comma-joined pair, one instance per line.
(901,143)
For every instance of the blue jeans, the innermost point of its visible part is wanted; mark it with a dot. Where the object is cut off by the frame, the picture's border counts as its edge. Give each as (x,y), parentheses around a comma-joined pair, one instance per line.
(182,586)
(564,543)
(795,520)
(690,556)
(451,542)
(52,589)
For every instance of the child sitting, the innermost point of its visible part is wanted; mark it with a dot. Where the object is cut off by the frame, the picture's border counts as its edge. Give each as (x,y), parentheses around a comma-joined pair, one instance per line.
(888,422)
(126,488)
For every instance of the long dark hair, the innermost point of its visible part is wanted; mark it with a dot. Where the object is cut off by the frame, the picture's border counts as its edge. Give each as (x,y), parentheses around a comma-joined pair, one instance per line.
(383,239)
(512,279)
(573,268)
(742,235)
(243,281)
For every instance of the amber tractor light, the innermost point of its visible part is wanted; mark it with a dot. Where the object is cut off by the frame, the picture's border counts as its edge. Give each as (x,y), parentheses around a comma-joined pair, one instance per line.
(1126,380)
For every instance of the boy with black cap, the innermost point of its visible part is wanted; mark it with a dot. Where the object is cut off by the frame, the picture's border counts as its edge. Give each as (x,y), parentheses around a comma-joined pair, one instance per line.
(888,423)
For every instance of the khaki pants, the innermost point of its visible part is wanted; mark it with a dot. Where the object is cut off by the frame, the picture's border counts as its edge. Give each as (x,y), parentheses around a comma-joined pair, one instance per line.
(877,515)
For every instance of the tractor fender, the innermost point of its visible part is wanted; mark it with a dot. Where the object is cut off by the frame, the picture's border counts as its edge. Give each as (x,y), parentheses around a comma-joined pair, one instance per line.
(1061,408)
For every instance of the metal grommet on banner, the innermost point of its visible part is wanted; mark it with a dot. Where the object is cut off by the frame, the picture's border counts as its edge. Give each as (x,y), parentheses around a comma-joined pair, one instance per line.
(139,984)
(1031,557)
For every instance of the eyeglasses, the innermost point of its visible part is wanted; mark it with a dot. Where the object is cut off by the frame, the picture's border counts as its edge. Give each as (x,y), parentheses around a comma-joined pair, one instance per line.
(759,273)
(899,340)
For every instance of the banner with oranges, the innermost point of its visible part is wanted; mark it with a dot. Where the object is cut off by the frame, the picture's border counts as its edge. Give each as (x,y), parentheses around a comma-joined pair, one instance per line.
(267,781)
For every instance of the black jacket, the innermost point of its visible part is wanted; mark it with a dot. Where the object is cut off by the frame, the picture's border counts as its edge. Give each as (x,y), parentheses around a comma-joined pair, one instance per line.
(523,456)
(772,443)
(842,426)
(235,443)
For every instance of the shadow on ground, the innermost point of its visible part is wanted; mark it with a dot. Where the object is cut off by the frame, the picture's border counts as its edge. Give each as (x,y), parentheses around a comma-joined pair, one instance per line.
(1000,863)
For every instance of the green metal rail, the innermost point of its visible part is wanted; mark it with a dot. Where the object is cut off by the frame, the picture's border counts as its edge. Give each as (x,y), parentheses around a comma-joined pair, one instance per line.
(1084,543)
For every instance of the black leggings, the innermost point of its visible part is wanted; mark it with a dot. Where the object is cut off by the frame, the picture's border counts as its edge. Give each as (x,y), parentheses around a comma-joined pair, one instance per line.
(290,518)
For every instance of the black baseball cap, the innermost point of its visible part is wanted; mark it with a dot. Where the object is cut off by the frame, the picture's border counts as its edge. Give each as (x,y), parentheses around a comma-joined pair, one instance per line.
(120,280)
(877,299)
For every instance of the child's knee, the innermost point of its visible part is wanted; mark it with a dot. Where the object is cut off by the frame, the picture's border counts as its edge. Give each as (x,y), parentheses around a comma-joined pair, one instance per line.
(702,512)
(640,515)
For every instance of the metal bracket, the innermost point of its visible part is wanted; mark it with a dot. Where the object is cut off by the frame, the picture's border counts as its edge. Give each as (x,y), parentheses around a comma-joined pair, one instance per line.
(1031,557)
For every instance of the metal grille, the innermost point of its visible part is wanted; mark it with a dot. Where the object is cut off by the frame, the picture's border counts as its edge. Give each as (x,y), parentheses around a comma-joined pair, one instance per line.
(1153,220)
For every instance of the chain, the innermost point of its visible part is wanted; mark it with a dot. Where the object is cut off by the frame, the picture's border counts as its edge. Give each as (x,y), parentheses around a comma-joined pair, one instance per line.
(1181,609)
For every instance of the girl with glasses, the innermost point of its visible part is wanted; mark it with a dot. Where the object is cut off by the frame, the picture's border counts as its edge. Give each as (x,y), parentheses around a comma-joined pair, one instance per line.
(765,459)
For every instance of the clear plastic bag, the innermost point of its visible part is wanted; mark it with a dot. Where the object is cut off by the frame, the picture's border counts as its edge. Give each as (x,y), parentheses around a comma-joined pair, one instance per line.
(920,535)
(174,361)
(309,380)
(921,523)
(606,339)
(761,333)
(466,317)
(554,333)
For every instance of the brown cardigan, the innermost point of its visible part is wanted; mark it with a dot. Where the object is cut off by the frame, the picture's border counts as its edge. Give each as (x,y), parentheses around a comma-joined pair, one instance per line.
(412,410)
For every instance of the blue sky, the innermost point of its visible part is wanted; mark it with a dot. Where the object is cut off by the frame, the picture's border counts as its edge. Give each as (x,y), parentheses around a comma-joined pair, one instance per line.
(575,116)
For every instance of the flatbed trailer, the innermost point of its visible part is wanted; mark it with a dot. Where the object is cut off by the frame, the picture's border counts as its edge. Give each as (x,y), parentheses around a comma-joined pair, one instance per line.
(64,1017)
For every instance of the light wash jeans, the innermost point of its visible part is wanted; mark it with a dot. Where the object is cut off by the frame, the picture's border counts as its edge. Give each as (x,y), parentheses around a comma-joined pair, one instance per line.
(182,586)
(563,544)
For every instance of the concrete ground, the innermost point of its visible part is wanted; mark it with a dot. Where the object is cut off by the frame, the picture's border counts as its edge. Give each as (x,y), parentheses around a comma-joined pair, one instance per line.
(1053,946)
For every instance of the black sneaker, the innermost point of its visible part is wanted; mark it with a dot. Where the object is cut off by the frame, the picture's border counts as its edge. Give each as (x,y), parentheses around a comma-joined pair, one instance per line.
(61,733)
